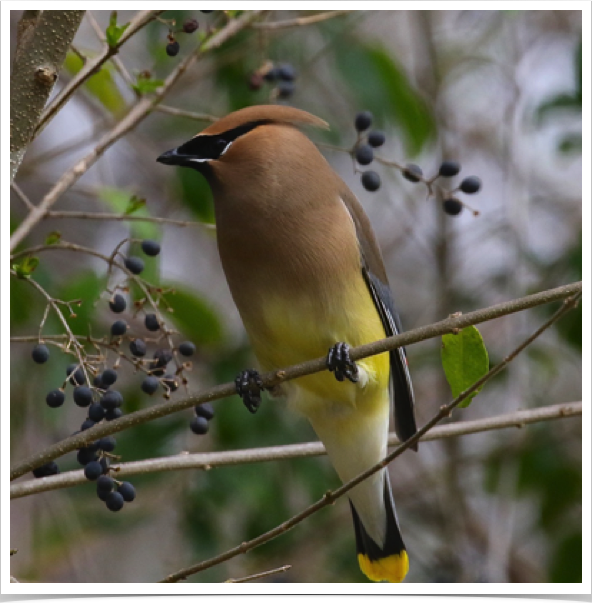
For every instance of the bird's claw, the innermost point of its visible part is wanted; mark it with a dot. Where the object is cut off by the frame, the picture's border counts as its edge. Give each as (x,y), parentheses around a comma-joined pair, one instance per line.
(339,362)
(249,387)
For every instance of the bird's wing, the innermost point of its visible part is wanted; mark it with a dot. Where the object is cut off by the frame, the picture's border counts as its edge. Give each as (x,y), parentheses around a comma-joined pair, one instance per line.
(374,273)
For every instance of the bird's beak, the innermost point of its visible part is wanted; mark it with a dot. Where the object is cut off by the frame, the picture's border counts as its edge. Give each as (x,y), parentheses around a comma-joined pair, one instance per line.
(170,158)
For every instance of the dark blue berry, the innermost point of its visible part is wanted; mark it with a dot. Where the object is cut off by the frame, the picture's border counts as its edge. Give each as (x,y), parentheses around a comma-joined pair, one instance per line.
(172,48)
(40,354)
(93,470)
(107,444)
(113,413)
(127,491)
(150,247)
(87,425)
(370,181)
(412,172)
(138,347)
(364,154)
(105,483)
(151,322)
(199,425)
(470,185)
(75,374)
(55,398)
(117,303)
(83,396)
(187,348)
(448,169)
(363,120)
(119,328)
(452,206)
(96,412)
(111,399)
(190,26)
(285,89)
(134,264)
(205,410)
(376,138)
(150,385)
(50,468)
(86,455)
(286,72)
(108,377)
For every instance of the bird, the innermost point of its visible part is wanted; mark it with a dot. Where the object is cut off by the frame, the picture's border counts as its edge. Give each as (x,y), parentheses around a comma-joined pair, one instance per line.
(308,279)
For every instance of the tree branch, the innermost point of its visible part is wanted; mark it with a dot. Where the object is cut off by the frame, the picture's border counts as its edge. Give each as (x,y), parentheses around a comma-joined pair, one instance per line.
(306,368)
(209,460)
(139,111)
(44,40)
(300,21)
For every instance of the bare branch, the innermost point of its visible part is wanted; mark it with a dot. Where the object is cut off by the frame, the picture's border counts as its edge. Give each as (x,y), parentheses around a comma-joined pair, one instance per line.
(209,460)
(300,21)
(306,368)
(183,113)
(277,570)
(83,215)
(140,110)
(43,43)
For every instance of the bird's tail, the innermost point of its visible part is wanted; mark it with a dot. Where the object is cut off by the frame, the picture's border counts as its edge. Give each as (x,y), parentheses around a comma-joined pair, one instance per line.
(388,562)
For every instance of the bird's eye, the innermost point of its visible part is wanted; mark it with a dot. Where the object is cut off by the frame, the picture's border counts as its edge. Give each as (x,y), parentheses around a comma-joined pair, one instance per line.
(221,144)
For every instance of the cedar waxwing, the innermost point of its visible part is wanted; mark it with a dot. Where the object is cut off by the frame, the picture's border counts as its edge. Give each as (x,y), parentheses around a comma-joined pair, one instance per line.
(306,274)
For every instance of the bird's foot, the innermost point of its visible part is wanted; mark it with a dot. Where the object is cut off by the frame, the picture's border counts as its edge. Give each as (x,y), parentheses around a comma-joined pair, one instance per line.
(249,387)
(339,362)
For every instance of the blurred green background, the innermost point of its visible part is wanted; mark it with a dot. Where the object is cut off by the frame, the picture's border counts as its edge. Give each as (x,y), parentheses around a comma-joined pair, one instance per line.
(498,91)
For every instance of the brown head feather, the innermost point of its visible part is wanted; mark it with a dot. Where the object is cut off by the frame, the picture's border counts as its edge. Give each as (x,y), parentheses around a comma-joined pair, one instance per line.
(275,113)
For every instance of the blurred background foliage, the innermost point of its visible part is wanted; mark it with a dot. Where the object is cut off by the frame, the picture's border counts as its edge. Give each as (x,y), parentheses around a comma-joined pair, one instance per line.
(499,91)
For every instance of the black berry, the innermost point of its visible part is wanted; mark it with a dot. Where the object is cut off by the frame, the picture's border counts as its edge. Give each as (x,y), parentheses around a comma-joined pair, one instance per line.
(470,185)
(150,385)
(199,425)
(452,206)
(83,396)
(118,328)
(412,172)
(50,468)
(171,382)
(364,154)
(271,75)
(75,375)
(105,483)
(93,470)
(113,413)
(371,181)
(55,398)
(285,89)
(376,139)
(96,412)
(109,377)
(111,399)
(87,424)
(107,444)
(190,26)
(205,410)
(150,247)
(187,348)
(363,121)
(114,501)
(172,48)
(449,169)
(134,264)
(151,322)
(86,456)
(127,491)
(161,358)
(286,72)
(40,354)
(137,347)
(117,303)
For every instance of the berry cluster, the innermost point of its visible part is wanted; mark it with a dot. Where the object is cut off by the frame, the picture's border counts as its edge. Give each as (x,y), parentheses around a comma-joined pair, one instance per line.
(189,26)
(200,424)
(92,377)
(363,153)
(364,149)
(281,76)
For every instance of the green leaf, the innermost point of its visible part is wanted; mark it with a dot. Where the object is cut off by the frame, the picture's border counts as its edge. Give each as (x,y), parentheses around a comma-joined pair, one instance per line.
(193,316)
(101,85)
(134,204)
(26,267)
(465,360)
(86,286)
(114,32)
(53,238)
(124,202)
(146,84)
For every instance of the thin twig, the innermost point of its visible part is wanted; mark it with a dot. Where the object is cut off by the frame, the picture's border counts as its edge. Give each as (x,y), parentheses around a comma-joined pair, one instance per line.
(277,570)
(84,215)
(187,114)
(331,497)
(273,378)
(21,195)
(139,111)
(209,460)
(300,21)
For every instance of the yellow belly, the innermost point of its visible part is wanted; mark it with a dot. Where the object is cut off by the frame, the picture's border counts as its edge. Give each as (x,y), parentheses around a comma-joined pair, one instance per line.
(289,331)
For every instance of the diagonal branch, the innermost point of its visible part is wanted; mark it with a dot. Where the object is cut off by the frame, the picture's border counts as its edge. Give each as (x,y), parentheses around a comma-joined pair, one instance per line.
(270,379)
(331,497)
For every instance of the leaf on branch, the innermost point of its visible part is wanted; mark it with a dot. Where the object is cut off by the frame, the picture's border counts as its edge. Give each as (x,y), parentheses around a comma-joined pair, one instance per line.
(134,204)
(114,32)
(465,360)
(25,268)
(53,237)
(146,85)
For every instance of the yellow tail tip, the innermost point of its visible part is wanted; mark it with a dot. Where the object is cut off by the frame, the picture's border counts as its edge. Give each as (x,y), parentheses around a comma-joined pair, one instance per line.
(393,568)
